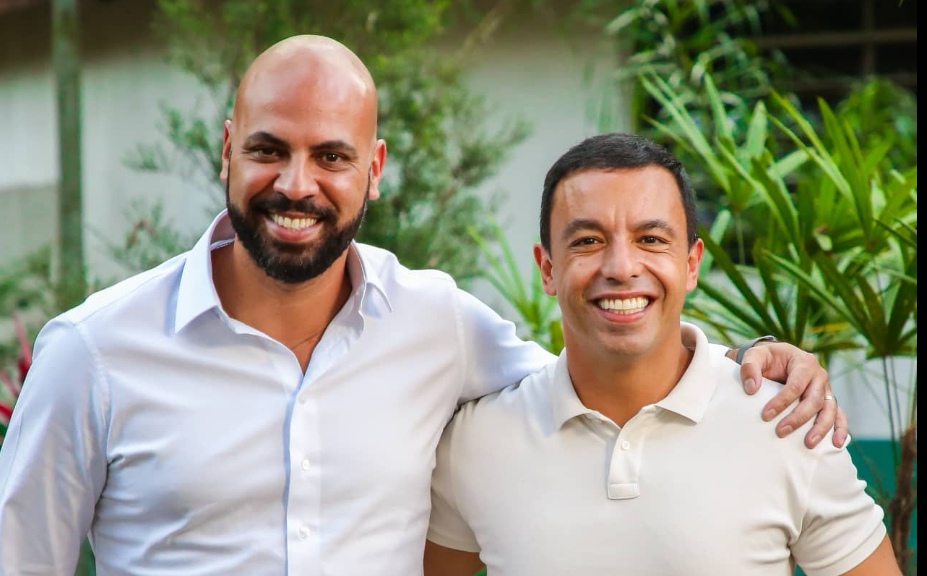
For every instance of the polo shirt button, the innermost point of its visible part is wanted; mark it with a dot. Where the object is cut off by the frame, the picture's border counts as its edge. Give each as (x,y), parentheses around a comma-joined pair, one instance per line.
(625,445)
(303,532)
(302,400)
(306,464)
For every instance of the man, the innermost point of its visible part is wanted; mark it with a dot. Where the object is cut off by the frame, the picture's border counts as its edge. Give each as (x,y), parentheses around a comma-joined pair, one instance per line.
(270,402)
(632,453)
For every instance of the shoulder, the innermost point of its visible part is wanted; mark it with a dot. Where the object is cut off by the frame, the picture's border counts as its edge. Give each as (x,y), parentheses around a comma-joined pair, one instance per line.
(521,408)
(130,295)
(389,269)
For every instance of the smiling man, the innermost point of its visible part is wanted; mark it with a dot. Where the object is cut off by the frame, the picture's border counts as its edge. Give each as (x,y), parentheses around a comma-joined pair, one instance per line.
(269,402)
(633,453)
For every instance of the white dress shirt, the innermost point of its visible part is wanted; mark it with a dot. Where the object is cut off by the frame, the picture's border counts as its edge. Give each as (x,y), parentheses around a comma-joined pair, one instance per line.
(188,443)
(693,485)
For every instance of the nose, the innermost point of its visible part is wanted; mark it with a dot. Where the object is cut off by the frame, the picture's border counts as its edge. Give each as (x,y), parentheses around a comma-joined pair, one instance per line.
(297,179)
(620,262)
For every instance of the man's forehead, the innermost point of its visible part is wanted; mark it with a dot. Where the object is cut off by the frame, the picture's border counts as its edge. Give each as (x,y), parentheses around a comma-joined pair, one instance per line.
(590,191)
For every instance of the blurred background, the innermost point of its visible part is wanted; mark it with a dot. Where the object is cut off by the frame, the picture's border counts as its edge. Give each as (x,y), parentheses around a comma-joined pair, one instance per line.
(797,120)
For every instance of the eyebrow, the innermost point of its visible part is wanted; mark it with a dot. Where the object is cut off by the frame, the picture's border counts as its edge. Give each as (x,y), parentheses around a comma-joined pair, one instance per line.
(261,137)
(589,224)
(579,224)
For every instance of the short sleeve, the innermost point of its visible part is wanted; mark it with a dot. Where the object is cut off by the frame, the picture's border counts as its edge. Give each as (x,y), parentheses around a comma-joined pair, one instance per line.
(842,525)
(447,526)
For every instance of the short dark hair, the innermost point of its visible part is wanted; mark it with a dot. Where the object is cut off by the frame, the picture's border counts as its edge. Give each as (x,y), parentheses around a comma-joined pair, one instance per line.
(614,151)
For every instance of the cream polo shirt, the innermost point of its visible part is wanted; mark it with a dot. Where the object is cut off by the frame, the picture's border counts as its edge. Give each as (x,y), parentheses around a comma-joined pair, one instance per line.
(188,443)
(694,485)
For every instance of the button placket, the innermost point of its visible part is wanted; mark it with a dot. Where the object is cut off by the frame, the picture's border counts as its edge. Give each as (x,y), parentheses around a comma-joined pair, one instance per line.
(624,469)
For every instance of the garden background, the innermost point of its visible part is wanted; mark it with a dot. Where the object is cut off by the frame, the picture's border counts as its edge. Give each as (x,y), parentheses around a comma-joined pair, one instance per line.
(796,119)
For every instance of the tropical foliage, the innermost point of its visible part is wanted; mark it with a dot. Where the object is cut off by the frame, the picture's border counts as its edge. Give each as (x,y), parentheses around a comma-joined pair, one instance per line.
(832,262)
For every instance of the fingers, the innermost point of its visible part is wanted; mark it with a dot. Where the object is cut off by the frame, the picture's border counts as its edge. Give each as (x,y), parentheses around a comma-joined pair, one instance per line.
(841,428)
(750,376)
(808,381)
(824,421)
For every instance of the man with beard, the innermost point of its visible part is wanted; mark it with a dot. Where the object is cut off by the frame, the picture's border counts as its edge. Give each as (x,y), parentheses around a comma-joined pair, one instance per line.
(270,402)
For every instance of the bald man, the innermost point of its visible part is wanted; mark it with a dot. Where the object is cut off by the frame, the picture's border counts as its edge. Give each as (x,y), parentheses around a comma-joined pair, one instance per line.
(270,401)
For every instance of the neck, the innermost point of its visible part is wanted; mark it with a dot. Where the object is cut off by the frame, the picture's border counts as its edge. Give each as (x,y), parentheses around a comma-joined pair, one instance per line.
(618,386)
(296,315)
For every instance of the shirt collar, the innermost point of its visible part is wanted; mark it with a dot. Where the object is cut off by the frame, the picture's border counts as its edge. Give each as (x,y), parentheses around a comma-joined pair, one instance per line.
(692,394)
(196,293)
(689,398)
(565,403)
(367,284)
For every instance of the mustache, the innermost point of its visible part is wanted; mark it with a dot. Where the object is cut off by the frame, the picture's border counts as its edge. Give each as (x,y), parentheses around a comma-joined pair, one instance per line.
(277,202)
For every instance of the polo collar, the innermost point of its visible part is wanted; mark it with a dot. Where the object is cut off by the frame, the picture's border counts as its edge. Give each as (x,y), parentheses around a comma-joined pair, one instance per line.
(692,394)
(565,403)
(689,398)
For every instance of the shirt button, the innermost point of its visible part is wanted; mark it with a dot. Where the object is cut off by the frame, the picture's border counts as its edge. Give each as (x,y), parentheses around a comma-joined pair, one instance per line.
(306,464)
(303,532)
(302,400)
(625,445)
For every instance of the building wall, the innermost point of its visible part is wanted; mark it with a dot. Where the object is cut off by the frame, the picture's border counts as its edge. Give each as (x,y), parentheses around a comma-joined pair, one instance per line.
(124,81)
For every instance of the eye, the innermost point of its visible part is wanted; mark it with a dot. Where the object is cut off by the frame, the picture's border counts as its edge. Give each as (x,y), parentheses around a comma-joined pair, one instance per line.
(331,157)
(653,240)
(265,152)
(585,241)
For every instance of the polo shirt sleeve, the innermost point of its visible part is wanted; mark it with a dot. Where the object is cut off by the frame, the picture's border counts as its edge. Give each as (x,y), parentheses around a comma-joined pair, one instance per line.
(494,355)
(842,524)
(52,463)
(447,526)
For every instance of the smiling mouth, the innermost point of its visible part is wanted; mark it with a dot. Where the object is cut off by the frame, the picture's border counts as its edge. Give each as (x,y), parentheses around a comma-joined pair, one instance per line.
(293,223)
(623,305)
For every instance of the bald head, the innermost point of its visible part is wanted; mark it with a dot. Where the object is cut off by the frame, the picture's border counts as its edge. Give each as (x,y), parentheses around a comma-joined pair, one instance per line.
(315,65)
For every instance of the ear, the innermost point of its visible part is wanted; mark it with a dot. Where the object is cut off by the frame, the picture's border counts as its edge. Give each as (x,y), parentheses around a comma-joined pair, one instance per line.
(226,150)
(376,169)
(693,262)
(542,259)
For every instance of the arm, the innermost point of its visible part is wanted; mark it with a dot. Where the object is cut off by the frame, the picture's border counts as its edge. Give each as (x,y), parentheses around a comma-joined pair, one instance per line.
(880,563)
(494,355)
(803,377)
(441,561)
(52,464)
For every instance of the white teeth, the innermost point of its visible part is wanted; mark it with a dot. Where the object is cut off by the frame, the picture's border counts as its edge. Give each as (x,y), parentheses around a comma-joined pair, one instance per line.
(623,305)
(292,223)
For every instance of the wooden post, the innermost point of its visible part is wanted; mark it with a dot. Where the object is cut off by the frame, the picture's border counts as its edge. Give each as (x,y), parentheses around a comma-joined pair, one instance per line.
(71,282)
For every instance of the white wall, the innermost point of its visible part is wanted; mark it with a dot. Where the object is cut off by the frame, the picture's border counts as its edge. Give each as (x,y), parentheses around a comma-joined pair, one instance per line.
(124,79)
(536,72)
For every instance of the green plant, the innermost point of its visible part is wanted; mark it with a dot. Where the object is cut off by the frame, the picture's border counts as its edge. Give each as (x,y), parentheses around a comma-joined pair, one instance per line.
(538,313)
(440,149)
(150,241)
(685,42)
(833,256)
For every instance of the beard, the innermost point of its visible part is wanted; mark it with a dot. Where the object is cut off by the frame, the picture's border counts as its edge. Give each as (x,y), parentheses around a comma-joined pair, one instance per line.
(287,262)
